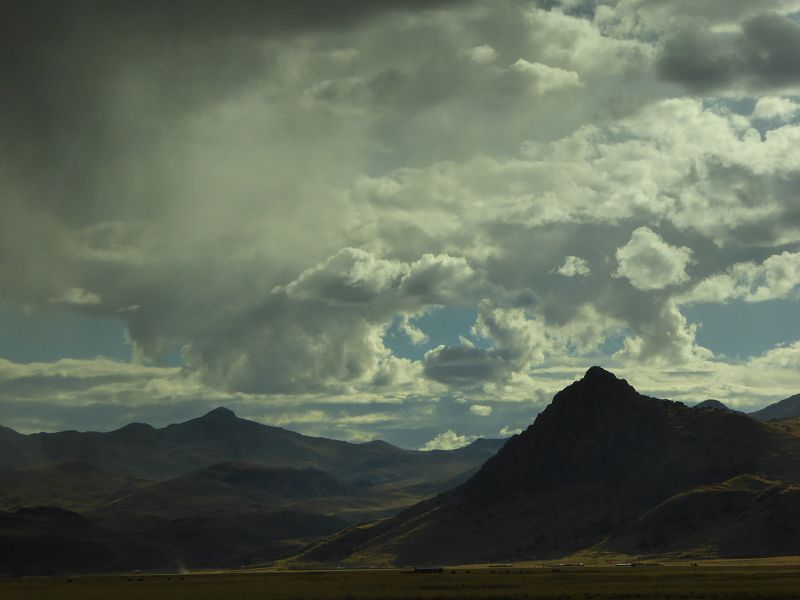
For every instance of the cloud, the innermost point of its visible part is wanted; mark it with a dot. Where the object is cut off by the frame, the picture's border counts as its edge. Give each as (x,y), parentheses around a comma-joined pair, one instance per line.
(776,277)
(77,297)
(447,440)
(506,431)
(649,263)
(574,267)
(483,55)
(353,276)
(541,79)
(667,338)
(781,357)
(414,333)
(761,55)
(777,108)
(480,410)
(463,365)
(517,342)
(274,187)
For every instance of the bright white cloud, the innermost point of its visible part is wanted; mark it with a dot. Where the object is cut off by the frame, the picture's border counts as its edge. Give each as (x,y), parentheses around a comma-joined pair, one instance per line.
(650,263)
(773,107)
(447,440)
(776,277)
(480,410)
(414,333)
(506,431)
(574,267)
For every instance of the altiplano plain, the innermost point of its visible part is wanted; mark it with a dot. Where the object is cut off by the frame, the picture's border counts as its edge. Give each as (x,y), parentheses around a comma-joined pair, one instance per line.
(777,578)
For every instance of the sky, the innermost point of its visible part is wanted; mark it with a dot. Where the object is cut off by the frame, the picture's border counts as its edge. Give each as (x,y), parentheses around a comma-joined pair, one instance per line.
(403,220)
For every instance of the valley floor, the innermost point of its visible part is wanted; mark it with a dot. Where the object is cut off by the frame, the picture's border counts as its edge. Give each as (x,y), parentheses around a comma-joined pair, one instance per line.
(713,579)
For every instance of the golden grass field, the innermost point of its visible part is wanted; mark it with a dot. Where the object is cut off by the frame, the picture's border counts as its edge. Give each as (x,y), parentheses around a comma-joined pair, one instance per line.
(711,579)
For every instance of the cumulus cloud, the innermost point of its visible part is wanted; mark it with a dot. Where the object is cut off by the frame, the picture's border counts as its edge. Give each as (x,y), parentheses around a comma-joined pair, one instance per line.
(781,357)
(775,107)
(666,339)
(541,78)
(574,267)
(414,333)
(483,55)
(776,277)
(463,365)
(761,55)
(325,176)
(480,410)
(353,276)
(517,342)
(447,440)
(650,263)
(506,431)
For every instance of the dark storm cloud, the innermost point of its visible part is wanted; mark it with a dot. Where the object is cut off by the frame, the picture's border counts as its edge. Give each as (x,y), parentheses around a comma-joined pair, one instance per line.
(58,60)
(463,365)
(583,8)
(765,54)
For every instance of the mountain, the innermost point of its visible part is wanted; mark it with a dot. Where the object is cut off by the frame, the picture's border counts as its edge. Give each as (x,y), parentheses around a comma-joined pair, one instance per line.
(141,451)
(596,461)
(713,405)
(215,491)
(785,409)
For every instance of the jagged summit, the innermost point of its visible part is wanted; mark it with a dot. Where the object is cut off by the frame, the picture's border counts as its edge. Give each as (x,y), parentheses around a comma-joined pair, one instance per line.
(599,377)
(596,373)
(597,390)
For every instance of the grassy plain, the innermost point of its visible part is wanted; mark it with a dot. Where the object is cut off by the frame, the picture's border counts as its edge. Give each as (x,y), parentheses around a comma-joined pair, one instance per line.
(707,580)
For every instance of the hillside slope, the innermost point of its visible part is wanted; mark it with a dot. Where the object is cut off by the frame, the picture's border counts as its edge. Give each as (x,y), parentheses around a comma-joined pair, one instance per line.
(788,408)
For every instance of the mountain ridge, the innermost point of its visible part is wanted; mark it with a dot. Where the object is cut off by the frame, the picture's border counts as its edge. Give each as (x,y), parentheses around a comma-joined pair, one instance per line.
(143,451)
(788,408)
(599,456)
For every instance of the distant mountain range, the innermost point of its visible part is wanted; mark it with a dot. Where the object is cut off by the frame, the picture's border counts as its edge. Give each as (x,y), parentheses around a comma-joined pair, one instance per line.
(139,450)
(785,409)
(713,405)
(213,491)
(605,469)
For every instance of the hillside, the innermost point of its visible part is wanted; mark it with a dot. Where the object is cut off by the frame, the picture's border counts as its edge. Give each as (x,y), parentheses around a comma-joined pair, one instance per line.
(231,487)
(598,458)
(74,486)
(744,516)
(788,408)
